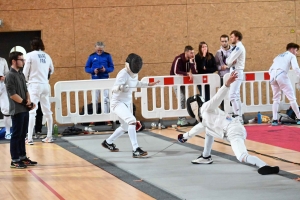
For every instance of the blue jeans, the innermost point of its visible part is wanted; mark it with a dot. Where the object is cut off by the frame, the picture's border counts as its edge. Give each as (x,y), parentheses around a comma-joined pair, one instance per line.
(18,135)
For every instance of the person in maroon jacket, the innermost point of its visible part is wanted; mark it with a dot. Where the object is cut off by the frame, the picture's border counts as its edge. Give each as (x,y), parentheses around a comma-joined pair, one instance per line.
(184,65)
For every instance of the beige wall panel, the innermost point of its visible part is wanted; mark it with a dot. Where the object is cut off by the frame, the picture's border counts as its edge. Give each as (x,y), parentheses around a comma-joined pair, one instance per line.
(266,44)
(34,4)
(209,21)
(225,1)
(114,3)
(57,31)
(157,33)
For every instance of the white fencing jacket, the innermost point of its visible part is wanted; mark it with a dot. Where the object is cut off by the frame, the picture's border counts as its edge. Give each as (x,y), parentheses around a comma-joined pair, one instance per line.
(284,62)
(125,78)
(37,66)
(239,55)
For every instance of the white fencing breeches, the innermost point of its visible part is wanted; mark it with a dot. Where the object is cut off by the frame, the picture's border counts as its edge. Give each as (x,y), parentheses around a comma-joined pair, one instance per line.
(127,121)
(106,100)
(234,93)
(280,81)
(40,93)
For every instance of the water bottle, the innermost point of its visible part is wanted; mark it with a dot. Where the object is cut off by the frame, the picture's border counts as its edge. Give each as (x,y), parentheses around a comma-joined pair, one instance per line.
(258,118)
(55,130)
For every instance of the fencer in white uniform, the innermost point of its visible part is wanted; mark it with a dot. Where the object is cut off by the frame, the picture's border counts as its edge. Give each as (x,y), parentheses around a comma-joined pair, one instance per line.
(216,123)
(4,103)
(236,62)
(121,101)
(37,67)
(279,80)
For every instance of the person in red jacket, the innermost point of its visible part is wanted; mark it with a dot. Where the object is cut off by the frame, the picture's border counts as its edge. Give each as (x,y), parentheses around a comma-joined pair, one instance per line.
(184,65)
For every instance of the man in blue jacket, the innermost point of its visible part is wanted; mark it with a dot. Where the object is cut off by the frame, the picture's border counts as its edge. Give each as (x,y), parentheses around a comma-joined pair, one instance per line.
(99,65)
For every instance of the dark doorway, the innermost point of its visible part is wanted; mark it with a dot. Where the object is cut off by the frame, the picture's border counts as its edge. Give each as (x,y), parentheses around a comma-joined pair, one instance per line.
(8,40)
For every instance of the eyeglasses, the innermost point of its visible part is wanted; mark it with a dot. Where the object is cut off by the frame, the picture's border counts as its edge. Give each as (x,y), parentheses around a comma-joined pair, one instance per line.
(23,60)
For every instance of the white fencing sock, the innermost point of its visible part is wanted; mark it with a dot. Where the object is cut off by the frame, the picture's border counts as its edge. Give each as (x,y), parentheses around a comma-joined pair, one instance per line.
(7,124)
(253,160)
(295,108)
(275,108)
(49,120)
(209,140)
(118,132)
(31,124)
(132,136)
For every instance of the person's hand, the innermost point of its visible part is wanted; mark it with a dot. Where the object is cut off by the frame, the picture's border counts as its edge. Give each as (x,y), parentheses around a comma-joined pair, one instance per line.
(234,62)
(204,68)
(31,106)
(232,78)
(153,83)
(28,102)
(2,78)
(224,67)
(96,71)
(190,75)
(192,60)
(102,69)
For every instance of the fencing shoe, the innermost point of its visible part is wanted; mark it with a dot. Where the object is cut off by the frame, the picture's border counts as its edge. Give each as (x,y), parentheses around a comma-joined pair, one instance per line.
(265,170)
(112,147)
(203,160)
(181,139)
(139,153)
(275,123)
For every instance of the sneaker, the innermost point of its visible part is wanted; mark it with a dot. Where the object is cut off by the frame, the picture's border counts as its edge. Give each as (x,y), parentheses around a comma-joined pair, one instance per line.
(92,124)
(8,136)
(179,122)
(184,122)
(48,140)
(112,147)
(28,162)
(275,123)
(203,160)
(181,139)
(139,153)
(265,170)
(29,142)
(37,135)
(17,165)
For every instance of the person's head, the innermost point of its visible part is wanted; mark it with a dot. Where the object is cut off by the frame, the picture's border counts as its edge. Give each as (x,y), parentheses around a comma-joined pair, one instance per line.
(99,47)
(224,39)
(189,52)
(37,44)
(293,48)
(235,36)
(203,50)
(16,60)
(134,63)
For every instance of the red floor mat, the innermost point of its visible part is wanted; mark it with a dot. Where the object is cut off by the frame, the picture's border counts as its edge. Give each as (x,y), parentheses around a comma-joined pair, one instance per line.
(281,136)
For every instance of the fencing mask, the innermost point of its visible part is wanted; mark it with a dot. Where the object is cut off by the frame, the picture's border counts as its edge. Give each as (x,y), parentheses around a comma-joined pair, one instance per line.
(193,105)
(135,63)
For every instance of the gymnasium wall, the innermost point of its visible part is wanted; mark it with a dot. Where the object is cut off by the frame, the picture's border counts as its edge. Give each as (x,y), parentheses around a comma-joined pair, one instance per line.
(157,30)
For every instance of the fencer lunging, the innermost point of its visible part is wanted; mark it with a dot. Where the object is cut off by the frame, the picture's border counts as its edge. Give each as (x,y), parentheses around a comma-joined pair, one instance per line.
(121,102)
(4,102)
(37,67)
(216,123)
(279,80)
(236,62)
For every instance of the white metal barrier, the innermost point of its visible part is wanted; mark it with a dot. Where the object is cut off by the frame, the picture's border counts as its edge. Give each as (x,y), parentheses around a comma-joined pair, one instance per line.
(84,86)
(260,78)
(170,82)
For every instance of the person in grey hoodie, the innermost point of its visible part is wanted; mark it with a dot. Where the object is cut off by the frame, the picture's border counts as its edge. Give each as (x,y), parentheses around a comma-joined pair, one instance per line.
(220,57)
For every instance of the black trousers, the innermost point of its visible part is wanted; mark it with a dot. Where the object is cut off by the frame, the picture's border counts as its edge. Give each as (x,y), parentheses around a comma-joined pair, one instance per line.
(38,119)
